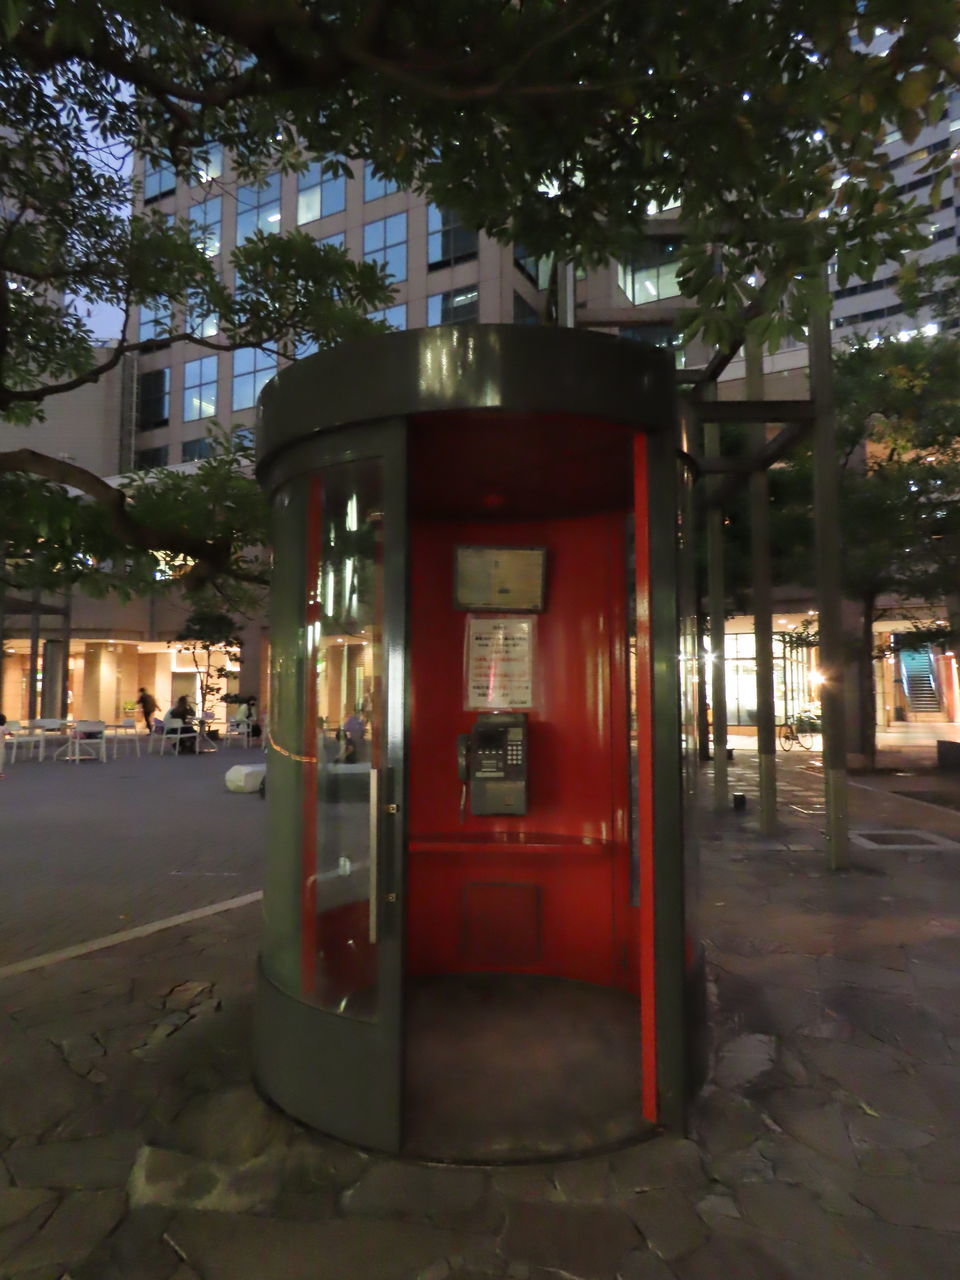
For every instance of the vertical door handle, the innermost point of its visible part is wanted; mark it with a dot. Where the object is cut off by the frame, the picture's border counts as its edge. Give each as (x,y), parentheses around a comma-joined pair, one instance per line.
(374,887)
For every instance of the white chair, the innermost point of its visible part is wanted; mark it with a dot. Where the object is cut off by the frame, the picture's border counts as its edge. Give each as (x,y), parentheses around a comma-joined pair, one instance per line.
(238,731)
(127,733)
(48,725)
(86,740)
(174,732)
(18,736)
(156,736)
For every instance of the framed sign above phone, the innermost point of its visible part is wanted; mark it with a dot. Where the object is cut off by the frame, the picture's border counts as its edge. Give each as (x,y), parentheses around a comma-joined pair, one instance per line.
(507,579)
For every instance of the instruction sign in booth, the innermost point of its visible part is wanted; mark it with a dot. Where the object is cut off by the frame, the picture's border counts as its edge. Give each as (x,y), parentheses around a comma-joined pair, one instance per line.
(480,929)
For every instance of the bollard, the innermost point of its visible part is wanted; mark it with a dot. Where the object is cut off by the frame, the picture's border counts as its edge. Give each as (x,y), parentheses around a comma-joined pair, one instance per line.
(739,801)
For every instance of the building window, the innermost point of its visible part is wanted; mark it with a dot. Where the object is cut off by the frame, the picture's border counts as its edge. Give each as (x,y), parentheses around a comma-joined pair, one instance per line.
(205,225)
(656,335)
(258,208)
(396,317)
(210,166)
(535,267)
(147,458)
(156,319)
(243,437)
(153,400)
(385,241)
(651,273)
(523,312)
(319,194)
(195,450)
(200,388)
(448,241)
(252,368)
(453,307)
(374,186)
(338,240)
(200,323)
(159,179)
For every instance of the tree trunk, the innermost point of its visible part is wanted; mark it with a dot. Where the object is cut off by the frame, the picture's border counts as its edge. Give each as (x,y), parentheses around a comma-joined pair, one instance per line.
(865,684)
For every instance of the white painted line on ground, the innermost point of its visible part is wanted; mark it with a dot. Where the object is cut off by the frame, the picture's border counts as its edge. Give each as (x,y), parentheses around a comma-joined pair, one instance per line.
(127,935)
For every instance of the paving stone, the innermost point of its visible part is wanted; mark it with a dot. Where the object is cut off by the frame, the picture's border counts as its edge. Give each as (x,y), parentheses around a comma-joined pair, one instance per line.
(136,1248)
(17,1203)
(19,1231)
(527,1182)
(237,1247)
(90,1163)
(306,1206)
(73,1230)
(737,1259)
(814,1119)
(25,1110)
(940,1162)
(870,1132)
(641,1264)
(725,1122)
(745,1059)
(885,1163)
(907,1202)
(586,1241)
(749,1165)
(904,1253)
(791,1213)
(661,1162)
(173,1180)
(668,1223)
(312,1163)
(584,1180)
(232,1126)
(717,1206)
(414,1191)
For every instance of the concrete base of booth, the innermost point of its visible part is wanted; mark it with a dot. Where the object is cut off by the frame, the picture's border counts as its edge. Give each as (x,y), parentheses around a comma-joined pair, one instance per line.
(507,1067)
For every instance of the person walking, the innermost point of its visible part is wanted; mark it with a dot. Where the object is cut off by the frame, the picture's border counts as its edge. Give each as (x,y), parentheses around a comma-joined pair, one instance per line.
(148,705)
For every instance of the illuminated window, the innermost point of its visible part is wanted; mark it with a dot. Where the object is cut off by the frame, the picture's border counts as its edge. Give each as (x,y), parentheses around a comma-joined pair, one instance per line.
(258,208)
(211,165)
(252,369)
(205,225)
(319,194)
(200,389)
(195,450)
(147,458)
(453,307)
(385,241)
(651,273)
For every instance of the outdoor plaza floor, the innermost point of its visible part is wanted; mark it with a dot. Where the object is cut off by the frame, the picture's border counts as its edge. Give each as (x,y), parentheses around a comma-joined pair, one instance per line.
(133,1147)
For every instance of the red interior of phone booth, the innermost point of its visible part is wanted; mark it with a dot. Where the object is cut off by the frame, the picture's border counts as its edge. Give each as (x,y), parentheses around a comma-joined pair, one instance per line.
(549,892)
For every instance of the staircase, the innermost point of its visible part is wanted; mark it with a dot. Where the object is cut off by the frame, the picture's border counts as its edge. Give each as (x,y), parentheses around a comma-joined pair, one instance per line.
(919,680)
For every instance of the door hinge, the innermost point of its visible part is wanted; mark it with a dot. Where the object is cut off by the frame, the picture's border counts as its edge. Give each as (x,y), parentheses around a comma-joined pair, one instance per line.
(391,897)
(392,808)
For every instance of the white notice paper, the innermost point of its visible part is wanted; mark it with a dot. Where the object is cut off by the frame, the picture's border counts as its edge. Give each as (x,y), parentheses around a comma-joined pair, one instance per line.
(499,663)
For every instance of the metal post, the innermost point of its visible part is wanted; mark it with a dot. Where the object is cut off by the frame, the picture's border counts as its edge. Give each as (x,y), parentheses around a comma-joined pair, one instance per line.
(762,612)
(566,295)
(3,618)
(716,604)
(65,674)
(826,506)
(34,654)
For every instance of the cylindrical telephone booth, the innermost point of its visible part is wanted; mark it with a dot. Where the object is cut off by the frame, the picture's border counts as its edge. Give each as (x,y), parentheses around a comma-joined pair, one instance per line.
(480,940)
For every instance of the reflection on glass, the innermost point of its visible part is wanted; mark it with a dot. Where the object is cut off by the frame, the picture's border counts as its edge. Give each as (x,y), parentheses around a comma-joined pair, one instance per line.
(346,668)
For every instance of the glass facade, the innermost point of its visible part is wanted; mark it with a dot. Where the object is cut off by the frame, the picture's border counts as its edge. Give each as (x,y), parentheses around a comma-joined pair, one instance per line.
(258,208)
(319,194)
(153,399)
(385,241)
(200,388)
(454,306)
(791,677)
(147,458)
(252,369)
(156,319)
(210,166)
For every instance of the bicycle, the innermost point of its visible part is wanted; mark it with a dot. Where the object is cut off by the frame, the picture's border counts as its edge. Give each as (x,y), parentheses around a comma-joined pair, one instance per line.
(795,732)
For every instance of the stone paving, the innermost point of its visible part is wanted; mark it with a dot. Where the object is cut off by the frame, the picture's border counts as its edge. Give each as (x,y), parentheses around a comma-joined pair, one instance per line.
(133,1147)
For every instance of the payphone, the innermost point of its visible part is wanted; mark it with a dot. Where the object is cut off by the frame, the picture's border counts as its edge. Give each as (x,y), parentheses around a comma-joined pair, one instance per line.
(492,762)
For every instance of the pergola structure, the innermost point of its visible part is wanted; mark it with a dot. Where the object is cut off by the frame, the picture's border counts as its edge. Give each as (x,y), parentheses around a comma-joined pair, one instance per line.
(56,649)
(722,480)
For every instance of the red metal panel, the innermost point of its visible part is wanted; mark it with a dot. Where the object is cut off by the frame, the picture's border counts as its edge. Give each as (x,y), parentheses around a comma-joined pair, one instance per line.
(308,795)
(646,937)
(577,751)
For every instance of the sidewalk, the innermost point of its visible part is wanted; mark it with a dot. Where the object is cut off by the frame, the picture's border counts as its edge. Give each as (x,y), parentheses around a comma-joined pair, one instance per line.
(827,1146)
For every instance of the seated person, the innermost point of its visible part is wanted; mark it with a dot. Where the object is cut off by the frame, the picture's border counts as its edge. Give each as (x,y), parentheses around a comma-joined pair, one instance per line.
(184,712)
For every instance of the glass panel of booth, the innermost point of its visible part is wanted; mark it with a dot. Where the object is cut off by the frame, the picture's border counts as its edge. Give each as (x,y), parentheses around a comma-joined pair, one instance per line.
(344,705)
